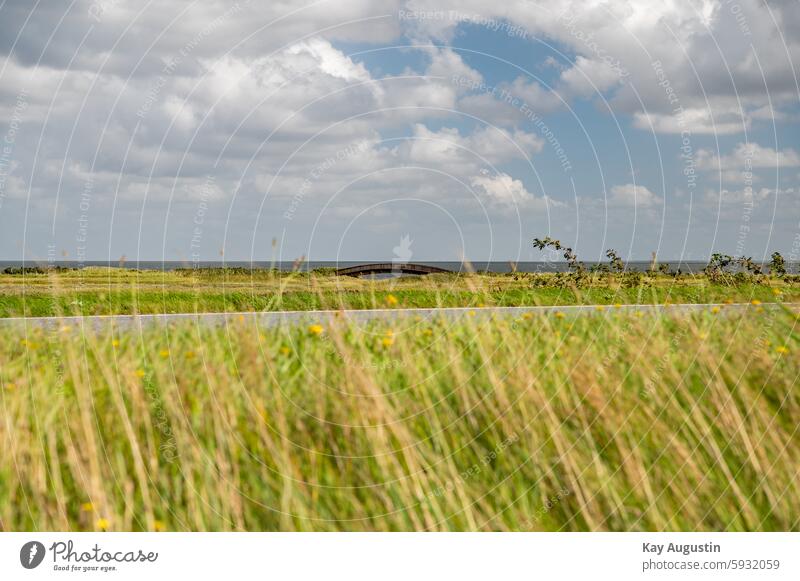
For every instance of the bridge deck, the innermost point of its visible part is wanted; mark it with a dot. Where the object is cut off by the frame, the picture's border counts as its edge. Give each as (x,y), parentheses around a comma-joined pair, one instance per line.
(389,267)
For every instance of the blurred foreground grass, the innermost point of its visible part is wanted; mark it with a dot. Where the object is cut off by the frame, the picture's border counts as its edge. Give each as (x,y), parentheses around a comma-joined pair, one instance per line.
(611,421)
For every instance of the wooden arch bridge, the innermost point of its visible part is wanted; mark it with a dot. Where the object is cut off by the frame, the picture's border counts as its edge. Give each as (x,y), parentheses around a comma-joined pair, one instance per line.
(389,268)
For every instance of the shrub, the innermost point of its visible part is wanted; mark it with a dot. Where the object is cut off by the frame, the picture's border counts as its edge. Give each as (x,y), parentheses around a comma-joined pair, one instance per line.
(777,265)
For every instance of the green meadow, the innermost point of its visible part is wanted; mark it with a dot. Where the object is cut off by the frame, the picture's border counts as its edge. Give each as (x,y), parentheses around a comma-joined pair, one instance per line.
(106,291)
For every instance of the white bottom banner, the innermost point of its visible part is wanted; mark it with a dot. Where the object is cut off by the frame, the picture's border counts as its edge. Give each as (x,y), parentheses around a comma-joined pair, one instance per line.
(370,556)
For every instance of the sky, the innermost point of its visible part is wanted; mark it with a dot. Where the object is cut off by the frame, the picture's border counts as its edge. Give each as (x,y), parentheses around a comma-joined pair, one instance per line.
(417,130)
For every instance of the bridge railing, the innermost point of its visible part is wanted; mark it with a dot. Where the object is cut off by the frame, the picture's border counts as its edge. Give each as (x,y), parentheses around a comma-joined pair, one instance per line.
(389,267)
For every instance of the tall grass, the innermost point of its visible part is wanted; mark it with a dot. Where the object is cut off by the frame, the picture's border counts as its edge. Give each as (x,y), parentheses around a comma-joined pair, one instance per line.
(611,421)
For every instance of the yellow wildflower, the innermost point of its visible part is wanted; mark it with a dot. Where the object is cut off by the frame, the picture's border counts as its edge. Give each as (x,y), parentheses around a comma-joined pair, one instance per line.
(164,353)
(471,313)
(285,350)
(387,341)
(140,373)
(715,310)
(600,308)
(527,315)
(391,300)
(777,291)
(755,302)
(316,329)
(87,507)
(728,301)
(102,524)
(159,526)
(115,343)
(783,350)
(559,315)
(617,305)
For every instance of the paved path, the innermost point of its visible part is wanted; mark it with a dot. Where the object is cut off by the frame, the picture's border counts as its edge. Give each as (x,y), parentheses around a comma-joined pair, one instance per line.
(296,317)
